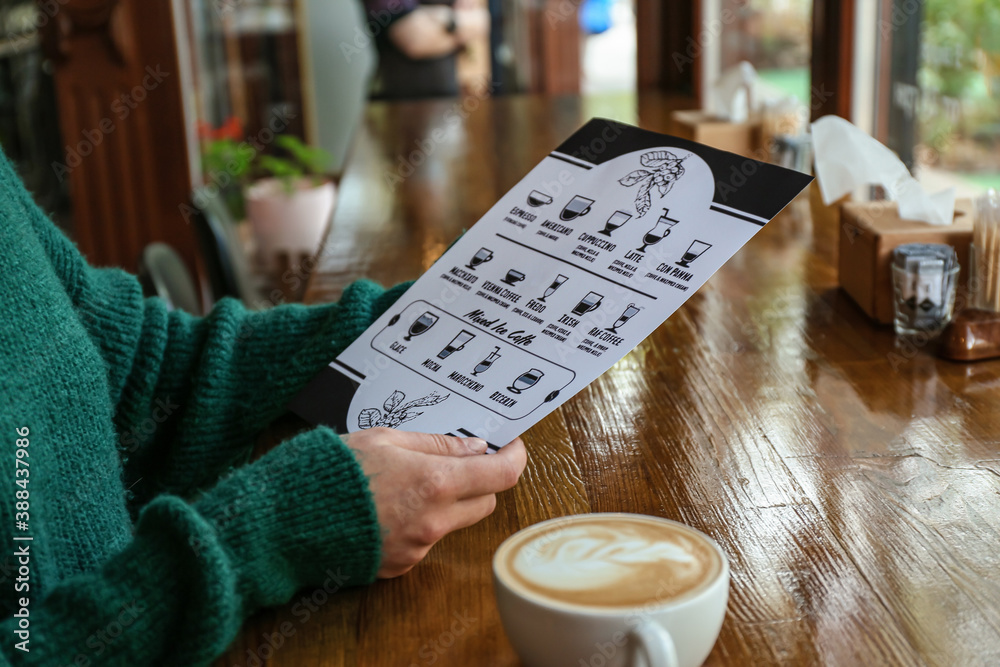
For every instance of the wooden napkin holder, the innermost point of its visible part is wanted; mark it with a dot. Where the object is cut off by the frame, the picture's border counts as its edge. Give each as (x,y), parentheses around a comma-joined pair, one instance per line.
(870,231)
(700,126)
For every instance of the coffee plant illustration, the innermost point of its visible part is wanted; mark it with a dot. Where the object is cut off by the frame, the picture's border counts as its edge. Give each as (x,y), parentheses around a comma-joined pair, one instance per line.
(664,169)
(397,412)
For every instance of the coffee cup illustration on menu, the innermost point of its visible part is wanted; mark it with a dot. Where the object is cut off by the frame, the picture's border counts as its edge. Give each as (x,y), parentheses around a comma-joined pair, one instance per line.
(486,363)
(617,219)
(588,303)
(659,232)
(482,256)
(576,207)
(551,289)
(526,380)
(538,198)
(513,277)
(421,325)
(631,311)
(457,343)
(694,251)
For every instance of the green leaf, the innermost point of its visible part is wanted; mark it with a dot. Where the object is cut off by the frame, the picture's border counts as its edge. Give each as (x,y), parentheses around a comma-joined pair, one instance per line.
(313,160)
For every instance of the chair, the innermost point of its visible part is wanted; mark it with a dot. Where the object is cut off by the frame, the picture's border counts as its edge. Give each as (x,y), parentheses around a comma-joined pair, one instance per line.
(163,273)
(224,261)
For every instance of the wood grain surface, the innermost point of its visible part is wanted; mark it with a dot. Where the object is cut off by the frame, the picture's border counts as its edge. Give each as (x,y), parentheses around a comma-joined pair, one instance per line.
(852,481)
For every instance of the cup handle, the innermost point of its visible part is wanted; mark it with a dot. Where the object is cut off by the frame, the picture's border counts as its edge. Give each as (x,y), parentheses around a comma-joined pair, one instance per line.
(595,306)
(488,258)
(653,642)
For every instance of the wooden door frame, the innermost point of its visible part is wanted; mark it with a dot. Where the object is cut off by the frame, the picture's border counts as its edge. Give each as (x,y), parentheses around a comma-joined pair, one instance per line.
(121,114)
(832,61)
(553,30)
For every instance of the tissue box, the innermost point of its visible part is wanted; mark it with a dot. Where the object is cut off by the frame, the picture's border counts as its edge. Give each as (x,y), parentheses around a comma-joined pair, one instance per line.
(825,216)
(870,231)
(742,138)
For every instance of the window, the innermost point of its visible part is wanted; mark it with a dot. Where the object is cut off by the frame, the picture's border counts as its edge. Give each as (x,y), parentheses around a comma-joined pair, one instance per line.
(938,92)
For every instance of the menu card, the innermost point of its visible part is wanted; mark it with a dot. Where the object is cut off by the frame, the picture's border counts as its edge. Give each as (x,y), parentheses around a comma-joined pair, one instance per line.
(581,260)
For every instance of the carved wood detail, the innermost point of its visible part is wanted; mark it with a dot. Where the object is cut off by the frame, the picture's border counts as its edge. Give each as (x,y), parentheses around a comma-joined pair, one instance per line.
(122,121)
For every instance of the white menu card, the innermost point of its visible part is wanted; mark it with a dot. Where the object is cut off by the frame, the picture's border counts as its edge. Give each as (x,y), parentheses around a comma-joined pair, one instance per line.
(581,260)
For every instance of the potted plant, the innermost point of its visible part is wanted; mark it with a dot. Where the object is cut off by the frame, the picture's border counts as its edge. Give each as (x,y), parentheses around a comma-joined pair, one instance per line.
(287,198)
(290,204)
(226,161)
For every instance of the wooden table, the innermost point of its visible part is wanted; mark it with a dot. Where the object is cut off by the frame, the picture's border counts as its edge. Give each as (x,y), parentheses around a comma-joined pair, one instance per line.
(855,485)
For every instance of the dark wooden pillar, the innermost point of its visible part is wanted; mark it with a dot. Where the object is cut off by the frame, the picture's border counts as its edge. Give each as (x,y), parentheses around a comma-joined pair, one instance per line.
(904,64)
(554,29)
(119,92)
(669,47)
(832,58)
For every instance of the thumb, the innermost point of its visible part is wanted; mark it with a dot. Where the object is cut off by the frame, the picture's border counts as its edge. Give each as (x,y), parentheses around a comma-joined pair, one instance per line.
(438,444)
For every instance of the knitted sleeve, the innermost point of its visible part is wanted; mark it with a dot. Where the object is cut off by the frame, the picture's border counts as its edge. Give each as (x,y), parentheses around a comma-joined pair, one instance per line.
(177,594)
(199,390)
(192,393)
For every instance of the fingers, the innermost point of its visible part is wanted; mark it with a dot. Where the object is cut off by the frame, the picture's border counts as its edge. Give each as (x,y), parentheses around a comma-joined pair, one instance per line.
(483,475)
(454,516)
(465,474)
(434,443)
(420,499)
(465,513)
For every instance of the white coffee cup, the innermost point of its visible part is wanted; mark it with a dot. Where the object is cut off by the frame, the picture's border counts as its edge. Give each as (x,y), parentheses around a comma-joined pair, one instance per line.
(611,590)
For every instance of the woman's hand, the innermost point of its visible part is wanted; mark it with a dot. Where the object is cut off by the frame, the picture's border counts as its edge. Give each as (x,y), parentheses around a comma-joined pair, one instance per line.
(425,486)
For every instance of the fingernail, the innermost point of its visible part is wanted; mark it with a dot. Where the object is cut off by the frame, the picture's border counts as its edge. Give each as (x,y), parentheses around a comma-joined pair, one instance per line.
(476,445)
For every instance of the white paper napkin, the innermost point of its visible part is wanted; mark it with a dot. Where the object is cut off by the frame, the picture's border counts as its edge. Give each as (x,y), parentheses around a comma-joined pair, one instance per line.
(732,96)
(847,157)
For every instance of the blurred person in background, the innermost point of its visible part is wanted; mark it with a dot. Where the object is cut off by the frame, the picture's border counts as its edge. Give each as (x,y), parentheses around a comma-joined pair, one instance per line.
(419,41)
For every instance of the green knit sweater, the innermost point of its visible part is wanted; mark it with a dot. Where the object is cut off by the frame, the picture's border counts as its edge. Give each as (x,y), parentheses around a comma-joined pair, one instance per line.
(117,420)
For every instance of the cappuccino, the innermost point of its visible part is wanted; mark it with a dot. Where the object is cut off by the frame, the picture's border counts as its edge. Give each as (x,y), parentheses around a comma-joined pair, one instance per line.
(609,561)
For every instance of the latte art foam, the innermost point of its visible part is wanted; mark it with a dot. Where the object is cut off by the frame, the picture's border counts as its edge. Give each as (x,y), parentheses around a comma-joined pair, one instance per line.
(609,561)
